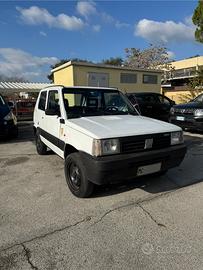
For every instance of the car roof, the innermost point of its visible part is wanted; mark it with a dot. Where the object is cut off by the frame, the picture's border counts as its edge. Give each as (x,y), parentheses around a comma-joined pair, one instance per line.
(80,87)
(143,93)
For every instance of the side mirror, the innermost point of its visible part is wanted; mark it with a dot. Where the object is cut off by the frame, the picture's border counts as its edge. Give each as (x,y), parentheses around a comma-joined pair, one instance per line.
(55,111)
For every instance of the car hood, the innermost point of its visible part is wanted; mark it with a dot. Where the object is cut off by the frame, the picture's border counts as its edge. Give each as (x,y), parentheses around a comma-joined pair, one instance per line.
(100,127)
(189,105)
(4,110)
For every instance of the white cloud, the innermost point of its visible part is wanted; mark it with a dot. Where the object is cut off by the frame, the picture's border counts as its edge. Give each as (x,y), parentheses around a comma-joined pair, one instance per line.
(42,33)
(171,55)
(111,20)
(16,62)
(86,8)
(169,31)
(38,16)
(96,28)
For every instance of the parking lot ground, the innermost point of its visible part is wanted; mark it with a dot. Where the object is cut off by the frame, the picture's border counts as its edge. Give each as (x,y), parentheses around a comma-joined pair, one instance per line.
(149,223)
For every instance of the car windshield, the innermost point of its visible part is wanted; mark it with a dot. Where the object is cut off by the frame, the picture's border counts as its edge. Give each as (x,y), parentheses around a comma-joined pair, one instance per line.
(2,102)
(93,102)
(199,98)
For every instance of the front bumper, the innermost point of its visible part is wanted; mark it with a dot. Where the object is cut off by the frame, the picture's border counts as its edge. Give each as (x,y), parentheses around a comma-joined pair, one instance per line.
(189,122)
(108,169)
(8,128)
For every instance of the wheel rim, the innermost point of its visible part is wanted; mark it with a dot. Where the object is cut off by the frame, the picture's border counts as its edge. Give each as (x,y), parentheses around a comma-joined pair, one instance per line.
(74,176)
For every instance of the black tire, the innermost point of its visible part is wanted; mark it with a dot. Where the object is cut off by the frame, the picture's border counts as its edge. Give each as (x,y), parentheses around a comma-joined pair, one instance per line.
(40,146)
(77,182)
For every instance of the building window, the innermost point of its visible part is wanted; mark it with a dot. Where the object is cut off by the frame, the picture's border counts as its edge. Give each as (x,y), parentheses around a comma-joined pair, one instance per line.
(98,79)
(151,79)
(128,78)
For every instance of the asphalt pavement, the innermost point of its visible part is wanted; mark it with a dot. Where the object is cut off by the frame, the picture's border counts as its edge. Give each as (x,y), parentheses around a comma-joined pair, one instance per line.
(149,223)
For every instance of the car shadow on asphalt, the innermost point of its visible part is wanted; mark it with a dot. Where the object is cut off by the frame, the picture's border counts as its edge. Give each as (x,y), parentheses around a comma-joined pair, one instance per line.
(25,134)
(148,184)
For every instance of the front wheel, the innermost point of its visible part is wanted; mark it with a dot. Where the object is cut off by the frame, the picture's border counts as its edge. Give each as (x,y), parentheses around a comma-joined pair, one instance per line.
(40,146)
(77,182)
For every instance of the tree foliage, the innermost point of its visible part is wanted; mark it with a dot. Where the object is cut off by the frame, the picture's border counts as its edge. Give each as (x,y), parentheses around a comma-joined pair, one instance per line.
(114,61)
(154,57)
(198,21)
(196,83)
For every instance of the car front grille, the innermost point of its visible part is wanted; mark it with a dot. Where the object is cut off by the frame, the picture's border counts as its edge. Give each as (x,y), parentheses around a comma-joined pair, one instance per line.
(184,111)
(142,143)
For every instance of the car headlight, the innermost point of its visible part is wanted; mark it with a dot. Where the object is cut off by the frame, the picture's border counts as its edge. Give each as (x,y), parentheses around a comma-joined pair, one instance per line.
(172,111)
(177,137)
(9,116)
(198,112)
(105,147)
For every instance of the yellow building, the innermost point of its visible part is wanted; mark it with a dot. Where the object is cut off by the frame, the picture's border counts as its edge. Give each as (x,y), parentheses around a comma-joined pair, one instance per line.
(176,86)
(125,79)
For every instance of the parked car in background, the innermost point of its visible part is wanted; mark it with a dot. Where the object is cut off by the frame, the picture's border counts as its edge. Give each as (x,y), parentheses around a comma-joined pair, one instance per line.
(8,121)
(152,105)
(23,108)
(188,115)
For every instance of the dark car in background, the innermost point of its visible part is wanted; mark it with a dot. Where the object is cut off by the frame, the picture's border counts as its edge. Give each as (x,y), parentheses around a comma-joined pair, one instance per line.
(188,115)
(8,121)
(152,105)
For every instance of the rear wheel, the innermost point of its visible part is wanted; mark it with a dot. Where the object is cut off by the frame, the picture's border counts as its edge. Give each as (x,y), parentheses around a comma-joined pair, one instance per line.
(40,146)
(77,182)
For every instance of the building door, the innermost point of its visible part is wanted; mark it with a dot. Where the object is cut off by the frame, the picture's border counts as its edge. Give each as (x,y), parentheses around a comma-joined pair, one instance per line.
(98,79)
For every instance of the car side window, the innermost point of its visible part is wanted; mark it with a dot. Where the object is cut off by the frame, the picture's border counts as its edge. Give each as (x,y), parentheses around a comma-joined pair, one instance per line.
(53,100)
(150,99)
(42,101)
(163,100)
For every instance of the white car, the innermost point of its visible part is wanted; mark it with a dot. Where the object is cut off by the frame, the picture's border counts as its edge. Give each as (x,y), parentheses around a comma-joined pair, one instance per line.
(102,138)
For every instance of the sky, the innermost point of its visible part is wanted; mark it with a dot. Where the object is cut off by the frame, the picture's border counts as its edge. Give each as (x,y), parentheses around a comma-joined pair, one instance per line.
(36,34)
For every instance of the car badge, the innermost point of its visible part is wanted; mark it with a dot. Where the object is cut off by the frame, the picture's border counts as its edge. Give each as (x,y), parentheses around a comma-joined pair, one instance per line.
(148,143)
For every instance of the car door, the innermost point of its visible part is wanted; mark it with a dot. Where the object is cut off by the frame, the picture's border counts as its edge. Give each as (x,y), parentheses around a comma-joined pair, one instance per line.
(148,106)
(39,112)
(164,107)
(53,123)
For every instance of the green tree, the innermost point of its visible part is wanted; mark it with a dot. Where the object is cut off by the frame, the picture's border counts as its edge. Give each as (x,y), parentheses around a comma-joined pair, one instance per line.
(114,61)
(198,21)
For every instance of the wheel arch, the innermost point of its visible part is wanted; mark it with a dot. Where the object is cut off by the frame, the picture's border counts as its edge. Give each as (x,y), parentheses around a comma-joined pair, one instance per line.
(69,149)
